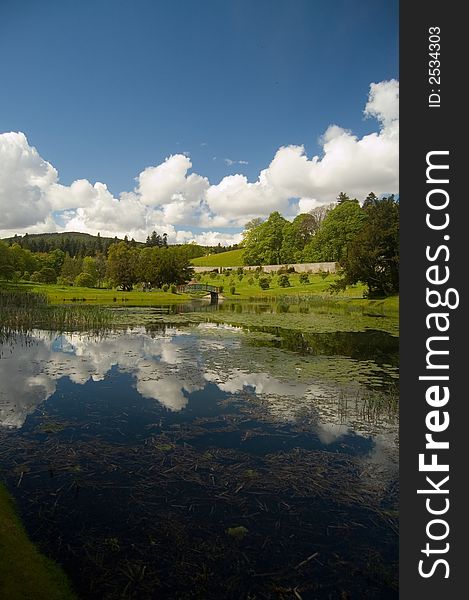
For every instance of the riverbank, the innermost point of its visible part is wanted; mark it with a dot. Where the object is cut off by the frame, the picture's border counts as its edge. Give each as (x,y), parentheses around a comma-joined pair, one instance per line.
(24,572)
(233,286)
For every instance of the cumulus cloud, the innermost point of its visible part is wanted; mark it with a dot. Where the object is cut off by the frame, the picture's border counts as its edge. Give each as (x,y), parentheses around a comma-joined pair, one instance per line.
(25,178)
(383,101)
(169,198)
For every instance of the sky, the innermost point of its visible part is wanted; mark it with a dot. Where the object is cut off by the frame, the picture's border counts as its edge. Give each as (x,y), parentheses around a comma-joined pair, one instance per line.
(192,117)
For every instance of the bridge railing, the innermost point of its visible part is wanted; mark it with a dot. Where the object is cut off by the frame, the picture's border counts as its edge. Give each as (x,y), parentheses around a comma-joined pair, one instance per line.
(198,287)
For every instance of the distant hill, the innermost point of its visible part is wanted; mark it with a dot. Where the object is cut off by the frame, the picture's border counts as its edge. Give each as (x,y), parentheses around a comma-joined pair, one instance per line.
(232,258)
(85,244)
(73,242)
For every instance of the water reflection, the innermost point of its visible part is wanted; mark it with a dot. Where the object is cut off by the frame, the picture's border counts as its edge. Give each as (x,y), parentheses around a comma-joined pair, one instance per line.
(169,366)
(154,443)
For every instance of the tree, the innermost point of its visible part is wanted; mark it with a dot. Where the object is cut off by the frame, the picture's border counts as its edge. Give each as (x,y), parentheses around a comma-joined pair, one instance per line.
(71,267)
(6,267)
(251,238)
(263,241)
(47,275)
(343,197)
(85,280)
(90,269)
(164,265)
(121,265)
(373,255)
(100,265)
(296,235)
(338,229)
(319,213)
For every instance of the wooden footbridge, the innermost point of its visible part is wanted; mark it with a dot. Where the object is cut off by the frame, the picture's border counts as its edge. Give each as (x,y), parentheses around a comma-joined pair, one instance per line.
(191,288)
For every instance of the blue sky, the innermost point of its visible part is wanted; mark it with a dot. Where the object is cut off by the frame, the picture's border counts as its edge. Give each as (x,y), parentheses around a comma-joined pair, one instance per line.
(105,88)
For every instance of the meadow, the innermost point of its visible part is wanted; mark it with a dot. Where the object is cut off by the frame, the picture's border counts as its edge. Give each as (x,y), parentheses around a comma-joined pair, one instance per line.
(232,258)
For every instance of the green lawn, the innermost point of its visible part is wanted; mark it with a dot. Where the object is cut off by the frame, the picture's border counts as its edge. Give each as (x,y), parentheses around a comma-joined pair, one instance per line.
(232,258)
(26,574)
(249,287)
(246,288)
(58,294)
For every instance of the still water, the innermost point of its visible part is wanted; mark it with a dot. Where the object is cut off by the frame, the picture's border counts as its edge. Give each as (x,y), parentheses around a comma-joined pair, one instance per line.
(206,461)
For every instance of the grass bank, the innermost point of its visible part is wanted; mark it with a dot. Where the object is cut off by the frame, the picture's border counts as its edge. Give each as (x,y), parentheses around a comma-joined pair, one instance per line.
(232,258)
(58,294)
(247,285)
(24,572)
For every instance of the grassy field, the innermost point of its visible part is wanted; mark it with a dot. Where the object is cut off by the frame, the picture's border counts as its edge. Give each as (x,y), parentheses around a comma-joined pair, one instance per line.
(24,572)
(232,258)
(247,285)
(59,294)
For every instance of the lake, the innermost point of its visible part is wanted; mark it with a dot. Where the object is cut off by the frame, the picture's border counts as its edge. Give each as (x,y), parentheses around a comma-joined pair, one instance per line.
(207,460)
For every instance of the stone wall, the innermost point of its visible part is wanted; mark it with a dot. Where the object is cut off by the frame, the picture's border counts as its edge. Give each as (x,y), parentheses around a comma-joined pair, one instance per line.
(331,267)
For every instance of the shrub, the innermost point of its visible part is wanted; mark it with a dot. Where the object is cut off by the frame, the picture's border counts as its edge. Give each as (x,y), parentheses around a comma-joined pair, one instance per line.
(240,277)
(64,281)
(251,281)
(264,283)
(173,288)
(220,288)
(232,290)
(304,278)
(84,280)
(35,277)
(165,287)
(284,281)
(47,275)
(324,274)
(240,271)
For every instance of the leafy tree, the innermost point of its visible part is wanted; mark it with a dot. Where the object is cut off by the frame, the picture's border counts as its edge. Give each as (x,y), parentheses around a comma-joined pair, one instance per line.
(164,265)
(90,269)
(6,267)
(71,268)
(251,238)
(121,265)
(100,266)
(263,242)
(296,235)
(85,280)
(338,229)
(373,255)
(47,275)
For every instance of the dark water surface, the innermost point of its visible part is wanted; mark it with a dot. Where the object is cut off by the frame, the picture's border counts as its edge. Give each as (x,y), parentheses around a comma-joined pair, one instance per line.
(206,461)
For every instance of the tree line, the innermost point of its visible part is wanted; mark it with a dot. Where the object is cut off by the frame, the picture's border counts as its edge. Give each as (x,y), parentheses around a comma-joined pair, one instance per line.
(77,244)
(363,239)
(124,266)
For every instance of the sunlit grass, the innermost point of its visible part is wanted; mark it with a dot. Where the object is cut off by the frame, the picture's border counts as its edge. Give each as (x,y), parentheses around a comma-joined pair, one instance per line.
(24,571)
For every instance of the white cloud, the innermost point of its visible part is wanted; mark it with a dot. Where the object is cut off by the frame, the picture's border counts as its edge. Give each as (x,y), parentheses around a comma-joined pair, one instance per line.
(25,178)
(168,198)
(383,101)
